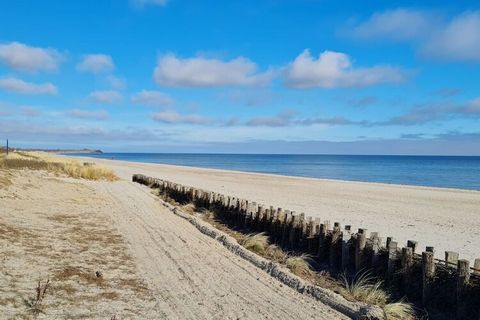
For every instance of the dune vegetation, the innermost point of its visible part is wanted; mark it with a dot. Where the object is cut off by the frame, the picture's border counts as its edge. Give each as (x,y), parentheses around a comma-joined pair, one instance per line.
(18,160)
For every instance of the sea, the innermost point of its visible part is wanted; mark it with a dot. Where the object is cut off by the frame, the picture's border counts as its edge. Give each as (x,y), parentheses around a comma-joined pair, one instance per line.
(432,171)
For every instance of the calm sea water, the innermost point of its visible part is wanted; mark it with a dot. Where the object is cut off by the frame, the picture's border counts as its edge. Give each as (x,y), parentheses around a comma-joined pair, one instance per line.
(435,171)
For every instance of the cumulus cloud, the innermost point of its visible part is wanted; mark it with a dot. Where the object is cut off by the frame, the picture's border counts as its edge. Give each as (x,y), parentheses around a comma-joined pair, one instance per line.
(173,117)
(152,99)
(334,69)
(459,40)
(454,39)
(204,72)
(96,63)
(106,96)
(87,114)
(22,87)
(22,57)
(398,24)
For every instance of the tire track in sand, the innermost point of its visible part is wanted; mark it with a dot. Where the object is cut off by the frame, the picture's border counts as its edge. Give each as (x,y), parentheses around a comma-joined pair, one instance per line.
(191,275)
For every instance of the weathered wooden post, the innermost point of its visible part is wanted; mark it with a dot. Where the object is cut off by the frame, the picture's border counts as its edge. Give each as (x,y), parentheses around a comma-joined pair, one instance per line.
(463,278)
(322,240)
(376,244)
(292,230)
(451,258)
(360,244)
(428,272)
(476,266)
(347,235)
(313,239)
(285,228)
(335,247)
(407,263)
(392,259)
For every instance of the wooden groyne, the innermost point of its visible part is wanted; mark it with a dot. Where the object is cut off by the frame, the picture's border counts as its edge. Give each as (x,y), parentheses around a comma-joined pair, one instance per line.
(450,285)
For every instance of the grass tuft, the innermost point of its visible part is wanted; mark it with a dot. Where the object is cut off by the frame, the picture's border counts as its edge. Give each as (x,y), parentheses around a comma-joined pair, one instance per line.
(257,243)
(363,287)
(400,310)
(301,265)
(35,303)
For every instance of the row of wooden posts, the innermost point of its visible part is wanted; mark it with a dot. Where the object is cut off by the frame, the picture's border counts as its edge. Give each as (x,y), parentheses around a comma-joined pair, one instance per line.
(449,284)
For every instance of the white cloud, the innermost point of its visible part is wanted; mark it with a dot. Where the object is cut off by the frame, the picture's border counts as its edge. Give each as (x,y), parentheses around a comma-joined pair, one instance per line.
(459,40)
(454,39)
(116,82)
(280,120)
(334,69)
(23,87)
(173,117)
(152,99)
(96,63)
(205,72)
(398,24)
(143,3)
(86,114)
(22,57)
(107,96)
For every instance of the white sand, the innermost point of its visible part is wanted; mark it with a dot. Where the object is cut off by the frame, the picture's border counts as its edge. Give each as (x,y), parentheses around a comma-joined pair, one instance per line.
(155,264)
(448,219)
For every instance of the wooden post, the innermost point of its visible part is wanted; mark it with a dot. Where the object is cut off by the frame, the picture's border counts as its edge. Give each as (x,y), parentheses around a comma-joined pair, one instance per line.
(376,243)
(347,235)
(476,266)
(360,243)
(412,244)
(279,225)
(389,239)
(313,241)
(392,259)
(335,247)
(292,230)
(451,258)
(407,263)
(322,240)
(463,278)
(428,272)
(285,228)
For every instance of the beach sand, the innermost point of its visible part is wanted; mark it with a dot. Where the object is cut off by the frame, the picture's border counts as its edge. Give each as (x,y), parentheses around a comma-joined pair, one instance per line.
(448,219)
(153,264)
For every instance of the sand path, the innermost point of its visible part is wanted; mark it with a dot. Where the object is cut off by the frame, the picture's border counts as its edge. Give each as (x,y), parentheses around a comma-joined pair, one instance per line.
(448,219)
(191,275)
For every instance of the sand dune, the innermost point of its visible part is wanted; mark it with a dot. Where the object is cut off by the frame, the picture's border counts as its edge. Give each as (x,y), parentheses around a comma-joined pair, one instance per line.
(448,219)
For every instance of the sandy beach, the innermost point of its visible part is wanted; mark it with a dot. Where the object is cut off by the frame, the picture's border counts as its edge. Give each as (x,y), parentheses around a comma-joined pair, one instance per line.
(111,250)
(448,219)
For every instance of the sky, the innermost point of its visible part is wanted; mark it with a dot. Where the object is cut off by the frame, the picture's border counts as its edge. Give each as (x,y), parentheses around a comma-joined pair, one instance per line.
(264,76)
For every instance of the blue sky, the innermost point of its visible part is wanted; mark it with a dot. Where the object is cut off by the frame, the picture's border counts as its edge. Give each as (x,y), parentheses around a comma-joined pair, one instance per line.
(355,77)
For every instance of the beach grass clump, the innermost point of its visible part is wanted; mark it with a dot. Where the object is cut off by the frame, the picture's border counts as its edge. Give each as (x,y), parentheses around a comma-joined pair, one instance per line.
(275,253)
(363,287)
(400,310)
(70,168)
(300,265)
(257,243)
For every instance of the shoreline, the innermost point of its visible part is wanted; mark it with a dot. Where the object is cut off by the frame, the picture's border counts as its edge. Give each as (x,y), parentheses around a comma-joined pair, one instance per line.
(448,219)
(275,175)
